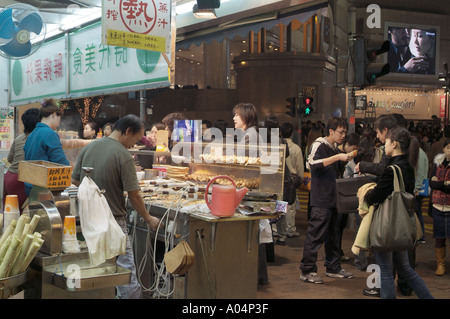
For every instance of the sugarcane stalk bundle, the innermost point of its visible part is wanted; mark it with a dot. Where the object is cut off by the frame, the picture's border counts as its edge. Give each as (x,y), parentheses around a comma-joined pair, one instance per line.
(18,245)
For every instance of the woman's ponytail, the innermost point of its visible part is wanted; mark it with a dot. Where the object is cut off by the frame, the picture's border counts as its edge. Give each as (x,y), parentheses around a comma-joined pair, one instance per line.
(409,144)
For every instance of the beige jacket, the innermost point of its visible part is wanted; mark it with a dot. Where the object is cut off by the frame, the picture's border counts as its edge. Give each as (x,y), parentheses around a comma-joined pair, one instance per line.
(366,212)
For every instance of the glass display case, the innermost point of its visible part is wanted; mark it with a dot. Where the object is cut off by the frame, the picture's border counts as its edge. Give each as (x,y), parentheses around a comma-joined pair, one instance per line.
(259,168)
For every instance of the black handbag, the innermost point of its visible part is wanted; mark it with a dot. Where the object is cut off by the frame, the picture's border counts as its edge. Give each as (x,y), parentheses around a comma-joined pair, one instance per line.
(346,191)
(393,226)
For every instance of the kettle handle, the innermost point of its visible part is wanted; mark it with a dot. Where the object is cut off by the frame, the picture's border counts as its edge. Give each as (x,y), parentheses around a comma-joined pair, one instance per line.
(210,182)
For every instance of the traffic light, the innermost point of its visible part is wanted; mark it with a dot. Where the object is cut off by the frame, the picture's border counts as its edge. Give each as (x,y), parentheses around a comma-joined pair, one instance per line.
(367,70)
(308,101)
(291,106)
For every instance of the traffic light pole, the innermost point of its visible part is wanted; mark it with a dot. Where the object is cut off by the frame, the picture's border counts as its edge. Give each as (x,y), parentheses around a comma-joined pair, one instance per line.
(350,97)
(351,66)
(298,135)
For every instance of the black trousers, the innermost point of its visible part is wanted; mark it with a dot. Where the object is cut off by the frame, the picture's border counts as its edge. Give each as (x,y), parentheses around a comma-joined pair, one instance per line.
(323,229)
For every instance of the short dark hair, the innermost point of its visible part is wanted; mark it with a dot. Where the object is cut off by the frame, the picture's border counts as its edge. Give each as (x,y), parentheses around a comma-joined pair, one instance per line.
(385,121)
(169,119)
(158,125)
(248,114)
(401,121)
(286,130)
(29,119)
(353,139)
(130,121)
(93,126)
(335,122)
(207,123)
(111,125)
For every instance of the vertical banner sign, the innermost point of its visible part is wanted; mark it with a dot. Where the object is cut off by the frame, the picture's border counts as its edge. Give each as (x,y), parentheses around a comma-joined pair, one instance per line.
(6,127)
(139,24)
(442,106)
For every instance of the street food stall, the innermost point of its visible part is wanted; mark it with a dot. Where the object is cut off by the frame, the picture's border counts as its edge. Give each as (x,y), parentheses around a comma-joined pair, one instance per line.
(54,273)
(225,247)
(211,204)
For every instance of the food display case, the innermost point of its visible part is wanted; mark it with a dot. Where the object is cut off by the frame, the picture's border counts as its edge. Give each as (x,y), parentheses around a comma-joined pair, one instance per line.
(225,248)
(259,168)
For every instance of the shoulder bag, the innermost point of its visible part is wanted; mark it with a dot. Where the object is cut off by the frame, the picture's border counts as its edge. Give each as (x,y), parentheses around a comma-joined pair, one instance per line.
(346,193)
(393,226)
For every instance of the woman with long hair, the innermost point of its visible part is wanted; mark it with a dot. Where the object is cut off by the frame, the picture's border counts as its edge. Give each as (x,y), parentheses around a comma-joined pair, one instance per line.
(403,150)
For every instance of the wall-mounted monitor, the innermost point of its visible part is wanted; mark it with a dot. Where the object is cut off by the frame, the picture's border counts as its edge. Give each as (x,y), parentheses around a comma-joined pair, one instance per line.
(414,50)
(187,130)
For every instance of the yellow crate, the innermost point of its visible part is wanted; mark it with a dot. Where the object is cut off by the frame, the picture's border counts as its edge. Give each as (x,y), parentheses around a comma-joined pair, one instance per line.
(45,174)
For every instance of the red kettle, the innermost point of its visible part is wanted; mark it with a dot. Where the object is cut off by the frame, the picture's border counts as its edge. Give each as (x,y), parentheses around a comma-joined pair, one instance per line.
(224,198)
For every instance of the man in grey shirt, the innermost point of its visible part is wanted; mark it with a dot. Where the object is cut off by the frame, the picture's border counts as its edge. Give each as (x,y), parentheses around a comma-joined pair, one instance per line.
(115,172)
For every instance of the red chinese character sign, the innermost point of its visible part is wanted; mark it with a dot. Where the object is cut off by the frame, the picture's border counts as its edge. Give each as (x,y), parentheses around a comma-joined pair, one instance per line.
(139,24)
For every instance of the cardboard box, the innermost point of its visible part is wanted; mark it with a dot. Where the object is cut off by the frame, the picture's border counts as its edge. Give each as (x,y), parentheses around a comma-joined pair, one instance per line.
(45,174)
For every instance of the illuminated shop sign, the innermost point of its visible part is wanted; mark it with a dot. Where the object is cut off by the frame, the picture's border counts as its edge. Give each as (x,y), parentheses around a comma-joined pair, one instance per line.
(392,104)
(139,24)
(80,65)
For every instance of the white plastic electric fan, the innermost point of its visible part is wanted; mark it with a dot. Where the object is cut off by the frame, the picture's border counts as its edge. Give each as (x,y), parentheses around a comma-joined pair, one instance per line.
(22,31)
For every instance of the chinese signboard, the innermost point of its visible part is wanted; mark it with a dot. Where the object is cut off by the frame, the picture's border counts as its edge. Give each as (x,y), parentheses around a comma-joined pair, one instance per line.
(139,24)
(6,127)
(40,75)
(442,106)
(82,66)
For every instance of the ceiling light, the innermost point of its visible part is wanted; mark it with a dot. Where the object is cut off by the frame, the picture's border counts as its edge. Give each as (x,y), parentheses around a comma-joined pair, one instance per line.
(204,13)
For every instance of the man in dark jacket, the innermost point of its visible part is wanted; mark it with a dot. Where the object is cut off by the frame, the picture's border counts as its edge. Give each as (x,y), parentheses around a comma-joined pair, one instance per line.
(325,162)
(382,125)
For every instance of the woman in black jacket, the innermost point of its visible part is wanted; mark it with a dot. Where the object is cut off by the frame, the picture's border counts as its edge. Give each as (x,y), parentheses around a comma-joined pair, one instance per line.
(403,149)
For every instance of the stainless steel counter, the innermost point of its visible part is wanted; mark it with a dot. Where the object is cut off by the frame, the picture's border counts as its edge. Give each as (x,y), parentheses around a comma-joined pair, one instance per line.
(70,276)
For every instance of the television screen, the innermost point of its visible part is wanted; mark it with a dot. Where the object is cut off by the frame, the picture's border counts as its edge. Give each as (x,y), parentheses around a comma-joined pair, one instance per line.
(414,48)
(186,130)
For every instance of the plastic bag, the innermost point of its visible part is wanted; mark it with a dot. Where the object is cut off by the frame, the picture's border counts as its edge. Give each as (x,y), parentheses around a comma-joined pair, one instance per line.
(104,237)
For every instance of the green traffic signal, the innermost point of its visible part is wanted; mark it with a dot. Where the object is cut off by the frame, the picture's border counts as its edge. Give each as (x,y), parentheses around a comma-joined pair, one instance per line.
(307,102)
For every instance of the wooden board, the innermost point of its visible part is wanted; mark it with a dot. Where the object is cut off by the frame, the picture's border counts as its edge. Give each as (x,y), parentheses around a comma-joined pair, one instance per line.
(45,174)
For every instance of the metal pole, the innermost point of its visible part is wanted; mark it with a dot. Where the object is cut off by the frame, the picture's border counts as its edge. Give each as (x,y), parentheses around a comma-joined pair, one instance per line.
(446,107)
(142,104)
(351,72)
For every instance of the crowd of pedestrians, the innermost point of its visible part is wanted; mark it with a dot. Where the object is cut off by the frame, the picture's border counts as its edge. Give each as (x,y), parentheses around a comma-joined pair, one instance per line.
(421,150)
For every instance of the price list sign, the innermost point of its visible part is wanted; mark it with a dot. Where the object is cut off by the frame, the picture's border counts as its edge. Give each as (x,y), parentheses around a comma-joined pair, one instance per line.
(59,177)
(139,24)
